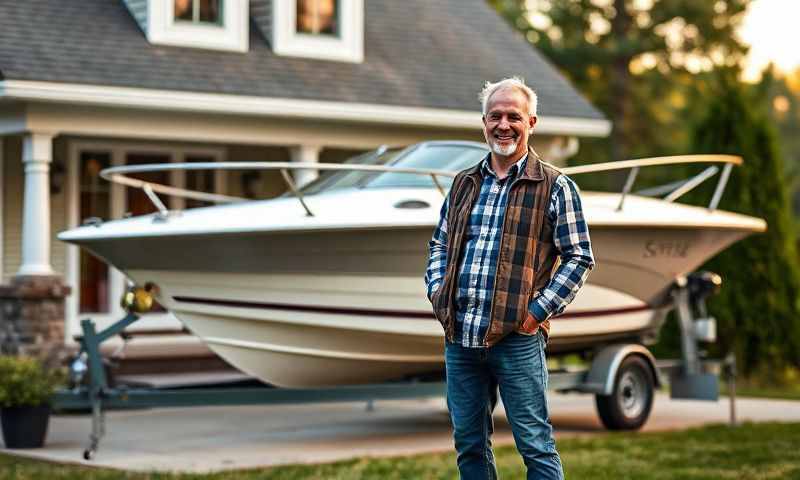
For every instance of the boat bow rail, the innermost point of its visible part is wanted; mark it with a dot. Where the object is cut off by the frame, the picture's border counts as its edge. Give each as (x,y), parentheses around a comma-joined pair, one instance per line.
(120,175)
(677,189)
(672,191)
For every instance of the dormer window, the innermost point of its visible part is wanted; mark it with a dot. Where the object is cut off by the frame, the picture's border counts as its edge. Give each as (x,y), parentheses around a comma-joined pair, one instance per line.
(321,29)
(211,24)
(198,11)
(318,17)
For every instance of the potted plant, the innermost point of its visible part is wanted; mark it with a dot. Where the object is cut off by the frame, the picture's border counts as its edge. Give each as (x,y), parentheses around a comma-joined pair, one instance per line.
(26,389)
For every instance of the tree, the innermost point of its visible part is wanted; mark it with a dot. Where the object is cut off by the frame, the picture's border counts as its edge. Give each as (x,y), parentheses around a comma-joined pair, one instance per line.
(783,94)
(634,59)
(757,309)
(667,73)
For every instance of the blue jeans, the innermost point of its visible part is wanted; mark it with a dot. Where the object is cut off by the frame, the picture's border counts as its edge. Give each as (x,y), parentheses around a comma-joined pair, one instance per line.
(517,365)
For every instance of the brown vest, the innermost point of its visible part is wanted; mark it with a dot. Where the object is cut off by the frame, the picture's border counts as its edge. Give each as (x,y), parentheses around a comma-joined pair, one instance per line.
(527,253)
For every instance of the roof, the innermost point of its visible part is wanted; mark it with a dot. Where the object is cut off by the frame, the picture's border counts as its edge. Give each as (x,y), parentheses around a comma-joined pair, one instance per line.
(418,53)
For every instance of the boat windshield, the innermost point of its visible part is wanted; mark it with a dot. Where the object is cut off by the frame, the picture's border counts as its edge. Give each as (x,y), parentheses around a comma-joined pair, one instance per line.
(438,156)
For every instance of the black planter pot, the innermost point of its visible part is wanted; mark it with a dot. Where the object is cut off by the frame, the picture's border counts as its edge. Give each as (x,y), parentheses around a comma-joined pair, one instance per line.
(25,427)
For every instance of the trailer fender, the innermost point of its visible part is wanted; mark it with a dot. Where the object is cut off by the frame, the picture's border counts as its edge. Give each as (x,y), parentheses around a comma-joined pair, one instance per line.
(603,372)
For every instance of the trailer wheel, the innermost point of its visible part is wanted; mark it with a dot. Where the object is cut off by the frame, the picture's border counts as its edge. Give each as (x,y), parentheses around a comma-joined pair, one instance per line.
(629,405)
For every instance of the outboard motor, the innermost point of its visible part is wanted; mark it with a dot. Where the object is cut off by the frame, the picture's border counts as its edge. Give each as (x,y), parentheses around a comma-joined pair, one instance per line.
(690,294)
(702,285)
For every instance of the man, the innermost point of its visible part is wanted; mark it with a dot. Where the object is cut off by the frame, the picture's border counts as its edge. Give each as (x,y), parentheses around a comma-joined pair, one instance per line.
(491,280)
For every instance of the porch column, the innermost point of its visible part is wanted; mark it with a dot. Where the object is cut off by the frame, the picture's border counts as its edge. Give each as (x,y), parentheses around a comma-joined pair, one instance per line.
(304,154)
(37,153)
(32,306)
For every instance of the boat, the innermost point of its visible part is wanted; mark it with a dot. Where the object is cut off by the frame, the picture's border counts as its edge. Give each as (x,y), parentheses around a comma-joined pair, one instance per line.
(324,285)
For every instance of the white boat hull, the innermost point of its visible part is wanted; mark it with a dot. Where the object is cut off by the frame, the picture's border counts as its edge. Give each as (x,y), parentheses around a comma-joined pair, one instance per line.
(307,301)
(330,340)
(352,313)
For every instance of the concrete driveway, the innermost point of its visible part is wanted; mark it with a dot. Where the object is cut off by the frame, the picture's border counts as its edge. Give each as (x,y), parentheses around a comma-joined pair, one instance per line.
(204,439)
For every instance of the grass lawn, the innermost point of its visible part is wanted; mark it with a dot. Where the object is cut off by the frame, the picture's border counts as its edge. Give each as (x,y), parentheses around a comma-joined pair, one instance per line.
(788,392)
(750,451)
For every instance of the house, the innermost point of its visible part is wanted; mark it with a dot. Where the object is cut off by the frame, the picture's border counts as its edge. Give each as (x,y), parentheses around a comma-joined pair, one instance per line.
(92,84)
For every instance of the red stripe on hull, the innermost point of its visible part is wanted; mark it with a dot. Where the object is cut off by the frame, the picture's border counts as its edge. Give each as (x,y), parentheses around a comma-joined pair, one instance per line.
(382,313)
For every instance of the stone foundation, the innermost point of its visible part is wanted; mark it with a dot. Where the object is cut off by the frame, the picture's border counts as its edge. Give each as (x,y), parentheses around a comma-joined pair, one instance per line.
(32,318)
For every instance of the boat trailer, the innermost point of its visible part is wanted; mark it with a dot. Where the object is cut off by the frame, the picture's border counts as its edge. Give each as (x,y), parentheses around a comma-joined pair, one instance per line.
(623,376)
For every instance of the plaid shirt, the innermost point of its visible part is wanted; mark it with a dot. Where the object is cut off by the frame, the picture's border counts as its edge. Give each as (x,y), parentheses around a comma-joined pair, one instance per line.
(478,266)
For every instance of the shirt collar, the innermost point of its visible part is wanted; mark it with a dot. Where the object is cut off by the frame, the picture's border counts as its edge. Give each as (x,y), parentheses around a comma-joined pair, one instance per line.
(513,172)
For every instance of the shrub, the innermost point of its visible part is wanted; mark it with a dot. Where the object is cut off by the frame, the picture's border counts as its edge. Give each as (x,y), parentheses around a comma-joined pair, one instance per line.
(758,308)
(25,381)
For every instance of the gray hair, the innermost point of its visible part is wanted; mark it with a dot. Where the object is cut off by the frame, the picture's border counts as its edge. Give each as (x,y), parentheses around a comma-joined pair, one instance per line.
(518,83)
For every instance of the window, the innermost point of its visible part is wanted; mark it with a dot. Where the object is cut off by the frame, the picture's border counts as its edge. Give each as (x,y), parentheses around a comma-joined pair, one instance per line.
(321,29)
(318,17)
(138,201)
(443,157)
(199,181)
(198,11)
(439,156)
(211,24)
(94,202)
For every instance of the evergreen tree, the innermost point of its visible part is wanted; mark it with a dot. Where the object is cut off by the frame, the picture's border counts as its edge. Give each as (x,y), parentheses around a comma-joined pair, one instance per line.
(635,60)
(757,309)
(783,94)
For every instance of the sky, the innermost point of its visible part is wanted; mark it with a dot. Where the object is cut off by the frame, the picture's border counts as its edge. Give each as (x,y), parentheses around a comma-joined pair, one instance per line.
(772,29)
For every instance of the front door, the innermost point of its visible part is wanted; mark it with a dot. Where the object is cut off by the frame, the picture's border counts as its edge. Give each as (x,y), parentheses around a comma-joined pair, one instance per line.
(137,202)
(94,199)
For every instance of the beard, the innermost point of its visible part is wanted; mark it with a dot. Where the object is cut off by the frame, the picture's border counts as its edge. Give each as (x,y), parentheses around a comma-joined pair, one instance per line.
(504,150)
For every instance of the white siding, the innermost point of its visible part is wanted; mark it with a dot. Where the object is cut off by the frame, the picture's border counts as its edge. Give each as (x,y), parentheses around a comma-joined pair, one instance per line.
(58,210)
(12,206)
